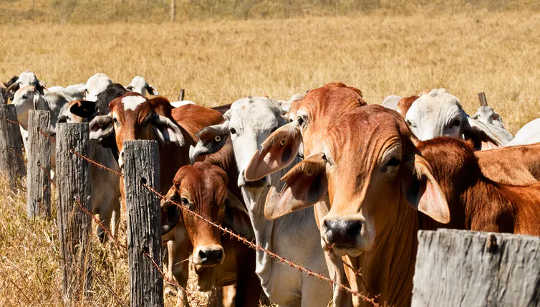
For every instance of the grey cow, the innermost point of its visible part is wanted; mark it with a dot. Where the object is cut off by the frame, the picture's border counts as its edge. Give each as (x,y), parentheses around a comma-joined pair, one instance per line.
(248,122)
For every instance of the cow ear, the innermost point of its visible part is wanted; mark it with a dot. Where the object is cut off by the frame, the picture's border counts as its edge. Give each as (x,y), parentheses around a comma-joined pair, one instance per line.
(423,192)
(151,90)
(276,153)
(101,127)
(170,212)
(482,135)
(83,108)
(211,140)
(305,185)
(167,131)
(236,217)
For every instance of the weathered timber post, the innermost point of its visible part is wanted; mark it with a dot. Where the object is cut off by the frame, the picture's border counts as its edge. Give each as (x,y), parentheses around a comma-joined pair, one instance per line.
(141,169)
(11,146)
(38,198)
(74,224)
(482,98)
(463,268)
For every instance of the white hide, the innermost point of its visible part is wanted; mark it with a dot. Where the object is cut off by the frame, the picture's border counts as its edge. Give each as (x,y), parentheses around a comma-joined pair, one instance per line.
(528,134)
(252,120)
(439,113)
(139,85)
(95,85)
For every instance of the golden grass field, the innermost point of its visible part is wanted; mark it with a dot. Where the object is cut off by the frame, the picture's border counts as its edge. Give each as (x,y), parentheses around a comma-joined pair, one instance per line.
(218,62)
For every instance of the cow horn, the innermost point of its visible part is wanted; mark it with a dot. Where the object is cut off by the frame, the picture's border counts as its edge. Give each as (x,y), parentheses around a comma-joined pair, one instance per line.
(483,99)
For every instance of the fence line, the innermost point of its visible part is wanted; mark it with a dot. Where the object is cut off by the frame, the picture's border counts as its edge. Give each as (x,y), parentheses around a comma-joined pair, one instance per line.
(244,240)
(222,229)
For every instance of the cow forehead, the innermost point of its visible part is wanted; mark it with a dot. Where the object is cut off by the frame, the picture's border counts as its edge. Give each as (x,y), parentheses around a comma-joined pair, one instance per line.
(132,102)
(255,113)
(433,105)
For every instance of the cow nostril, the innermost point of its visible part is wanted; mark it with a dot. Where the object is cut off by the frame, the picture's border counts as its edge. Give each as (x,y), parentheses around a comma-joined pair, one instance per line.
(202,255)
(353,228)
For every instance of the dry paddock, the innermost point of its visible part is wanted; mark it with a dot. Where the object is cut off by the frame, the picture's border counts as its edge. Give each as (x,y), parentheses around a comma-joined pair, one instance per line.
(220,61)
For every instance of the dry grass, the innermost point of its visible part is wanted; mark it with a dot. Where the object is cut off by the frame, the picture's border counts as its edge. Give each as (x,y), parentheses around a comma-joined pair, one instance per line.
(220,61)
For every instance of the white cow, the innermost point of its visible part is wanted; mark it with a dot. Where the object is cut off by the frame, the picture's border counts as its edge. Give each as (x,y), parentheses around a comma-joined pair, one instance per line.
(296,236)
(26,78)
(29,98)
(528,134)
(438,113)
(95,85)
(75,91)
(139,85)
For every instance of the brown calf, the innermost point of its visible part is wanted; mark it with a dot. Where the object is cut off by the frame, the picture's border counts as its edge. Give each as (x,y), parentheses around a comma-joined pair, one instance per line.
(518,165)
(476,202)
(219,260)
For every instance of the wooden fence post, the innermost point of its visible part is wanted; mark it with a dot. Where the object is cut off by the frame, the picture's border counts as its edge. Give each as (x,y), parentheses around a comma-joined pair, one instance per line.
(463,268)
(72,177)
(38,198)
(11,146)
(483,99)
(141,167)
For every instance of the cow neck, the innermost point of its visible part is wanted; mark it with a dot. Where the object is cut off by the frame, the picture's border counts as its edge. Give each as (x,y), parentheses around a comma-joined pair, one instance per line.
(263,230)
(388,268)
(486,208)
(171,158)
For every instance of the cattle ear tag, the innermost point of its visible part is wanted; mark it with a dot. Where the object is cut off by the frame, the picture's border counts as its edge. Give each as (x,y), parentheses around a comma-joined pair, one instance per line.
(430,199)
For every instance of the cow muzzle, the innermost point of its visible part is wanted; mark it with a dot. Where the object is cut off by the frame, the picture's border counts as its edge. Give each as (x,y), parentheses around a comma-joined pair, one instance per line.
(205,256)
(343,236)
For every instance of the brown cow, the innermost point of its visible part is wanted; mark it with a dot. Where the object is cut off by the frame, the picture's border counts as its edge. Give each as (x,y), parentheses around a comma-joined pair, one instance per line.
(405,103)
(517,165)
(132,117)
(219,260)
(476,202)
(355,154)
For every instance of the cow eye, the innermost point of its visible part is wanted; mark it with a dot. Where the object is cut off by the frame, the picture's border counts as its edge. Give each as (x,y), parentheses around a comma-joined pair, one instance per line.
(233,131)
(217,138)
(455,123)
(24,96)
(62,119)
(184,201)
(410,124)
(391,164)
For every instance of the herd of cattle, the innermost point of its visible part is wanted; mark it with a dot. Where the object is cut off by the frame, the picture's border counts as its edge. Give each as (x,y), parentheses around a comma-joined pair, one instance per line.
(324,179)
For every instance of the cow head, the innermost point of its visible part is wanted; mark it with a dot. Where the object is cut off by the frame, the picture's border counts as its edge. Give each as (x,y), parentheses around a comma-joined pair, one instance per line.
(439,113)
(247,123)
(361,157)
(133,117)
(95,85)
(139,85)
(25,79)
(201,187)
(25,99)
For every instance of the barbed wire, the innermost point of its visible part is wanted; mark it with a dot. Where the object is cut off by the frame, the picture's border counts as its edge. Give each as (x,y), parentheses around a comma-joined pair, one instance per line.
(225,230)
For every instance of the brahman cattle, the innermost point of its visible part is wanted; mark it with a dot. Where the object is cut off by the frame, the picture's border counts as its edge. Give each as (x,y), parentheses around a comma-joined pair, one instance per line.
(26,78)
(73,92)
(528,134)
(438,113)
(362,160)
(219,260)
(248,122)
(105,197)
(30,98)
(476,202)
(95,85)
(139,85)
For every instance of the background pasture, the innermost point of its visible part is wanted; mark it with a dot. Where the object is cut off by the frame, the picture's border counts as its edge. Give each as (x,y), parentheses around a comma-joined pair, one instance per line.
(223,50)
